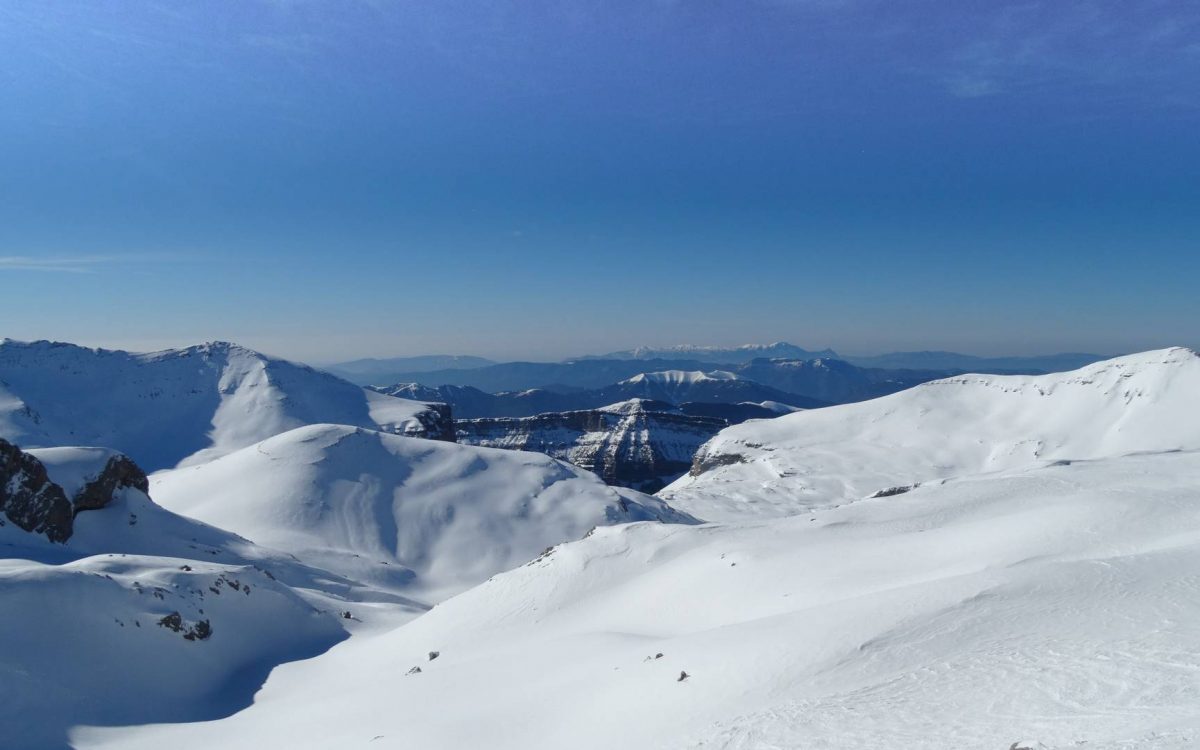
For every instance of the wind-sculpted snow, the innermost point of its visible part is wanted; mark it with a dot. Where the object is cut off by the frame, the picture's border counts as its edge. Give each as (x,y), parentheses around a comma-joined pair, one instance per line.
(422,516)
(187,405)
(952,427)
(1053,605)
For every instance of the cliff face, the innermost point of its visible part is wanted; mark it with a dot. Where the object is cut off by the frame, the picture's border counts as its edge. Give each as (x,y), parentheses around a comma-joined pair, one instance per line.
(29,499)
(41,491)
(633,444)
(437,423)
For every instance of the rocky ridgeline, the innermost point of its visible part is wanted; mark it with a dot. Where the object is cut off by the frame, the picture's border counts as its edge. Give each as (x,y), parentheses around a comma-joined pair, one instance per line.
(638,444)
(35,503)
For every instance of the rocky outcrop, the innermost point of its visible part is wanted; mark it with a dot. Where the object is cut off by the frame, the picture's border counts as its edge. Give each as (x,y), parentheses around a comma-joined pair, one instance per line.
(705,461)
(42,490)
(631,444)
(119,473)
(437,423)
(29,499)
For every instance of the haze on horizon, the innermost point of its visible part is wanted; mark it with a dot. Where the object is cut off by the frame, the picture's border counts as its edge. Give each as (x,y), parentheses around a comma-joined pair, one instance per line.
(529,180)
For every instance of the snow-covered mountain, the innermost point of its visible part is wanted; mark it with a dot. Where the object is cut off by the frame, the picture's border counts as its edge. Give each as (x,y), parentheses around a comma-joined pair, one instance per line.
(181,405)
(526,388)
(953,427)
(673,387)
(833,380)
(636,443)
(425,517)
(1052,607)
(979,562)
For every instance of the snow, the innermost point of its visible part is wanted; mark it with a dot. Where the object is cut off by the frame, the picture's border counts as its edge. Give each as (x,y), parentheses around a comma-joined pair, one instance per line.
(1027,578)
(775,406)
(79,636)
(1053,604)
(73,467)
(946,428)
(679,377)
(175,407)
(424,517)
(82,643)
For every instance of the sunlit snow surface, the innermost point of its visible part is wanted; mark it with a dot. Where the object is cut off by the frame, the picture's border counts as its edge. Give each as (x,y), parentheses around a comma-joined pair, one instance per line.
(1059,603)
(947,428)
(1030,574)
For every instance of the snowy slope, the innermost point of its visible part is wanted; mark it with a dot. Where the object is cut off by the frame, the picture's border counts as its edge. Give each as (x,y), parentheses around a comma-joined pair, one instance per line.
(1054,605)
(140,615)
(94,642)
(946,428)
(187,405)
(429,517)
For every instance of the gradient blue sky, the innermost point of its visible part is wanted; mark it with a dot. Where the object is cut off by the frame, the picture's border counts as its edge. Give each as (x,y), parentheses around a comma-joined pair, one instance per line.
(534,179)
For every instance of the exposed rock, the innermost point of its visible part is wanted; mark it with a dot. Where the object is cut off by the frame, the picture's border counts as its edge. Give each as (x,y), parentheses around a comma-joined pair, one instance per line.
(437,422)
(893,491)
(120,472)
(630,444)
(41,490)
(29,498)
(704,461)
(199,631)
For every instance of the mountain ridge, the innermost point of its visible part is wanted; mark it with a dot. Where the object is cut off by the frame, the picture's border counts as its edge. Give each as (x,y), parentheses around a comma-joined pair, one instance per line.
(181,405)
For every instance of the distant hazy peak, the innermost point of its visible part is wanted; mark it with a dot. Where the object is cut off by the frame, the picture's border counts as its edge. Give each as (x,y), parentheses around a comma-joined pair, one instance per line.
(679,377)
(731,355)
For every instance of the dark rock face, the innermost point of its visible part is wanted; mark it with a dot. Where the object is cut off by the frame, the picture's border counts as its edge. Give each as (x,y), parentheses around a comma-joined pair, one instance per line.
(197,631)
(704,462)
(628,445)
(29,498)
(35,503)
(120,472)
(438,423)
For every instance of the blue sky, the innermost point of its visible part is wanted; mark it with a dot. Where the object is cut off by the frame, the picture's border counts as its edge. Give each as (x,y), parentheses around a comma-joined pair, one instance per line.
(533,179)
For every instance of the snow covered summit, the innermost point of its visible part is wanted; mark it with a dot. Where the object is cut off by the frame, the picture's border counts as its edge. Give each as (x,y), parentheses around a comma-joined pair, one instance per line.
(946,428)
(181,405)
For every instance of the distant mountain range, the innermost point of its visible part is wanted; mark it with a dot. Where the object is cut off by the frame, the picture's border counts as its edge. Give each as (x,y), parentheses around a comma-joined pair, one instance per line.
(523,389)
(598,371)
(717,354)
(370,368)
(674,387)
